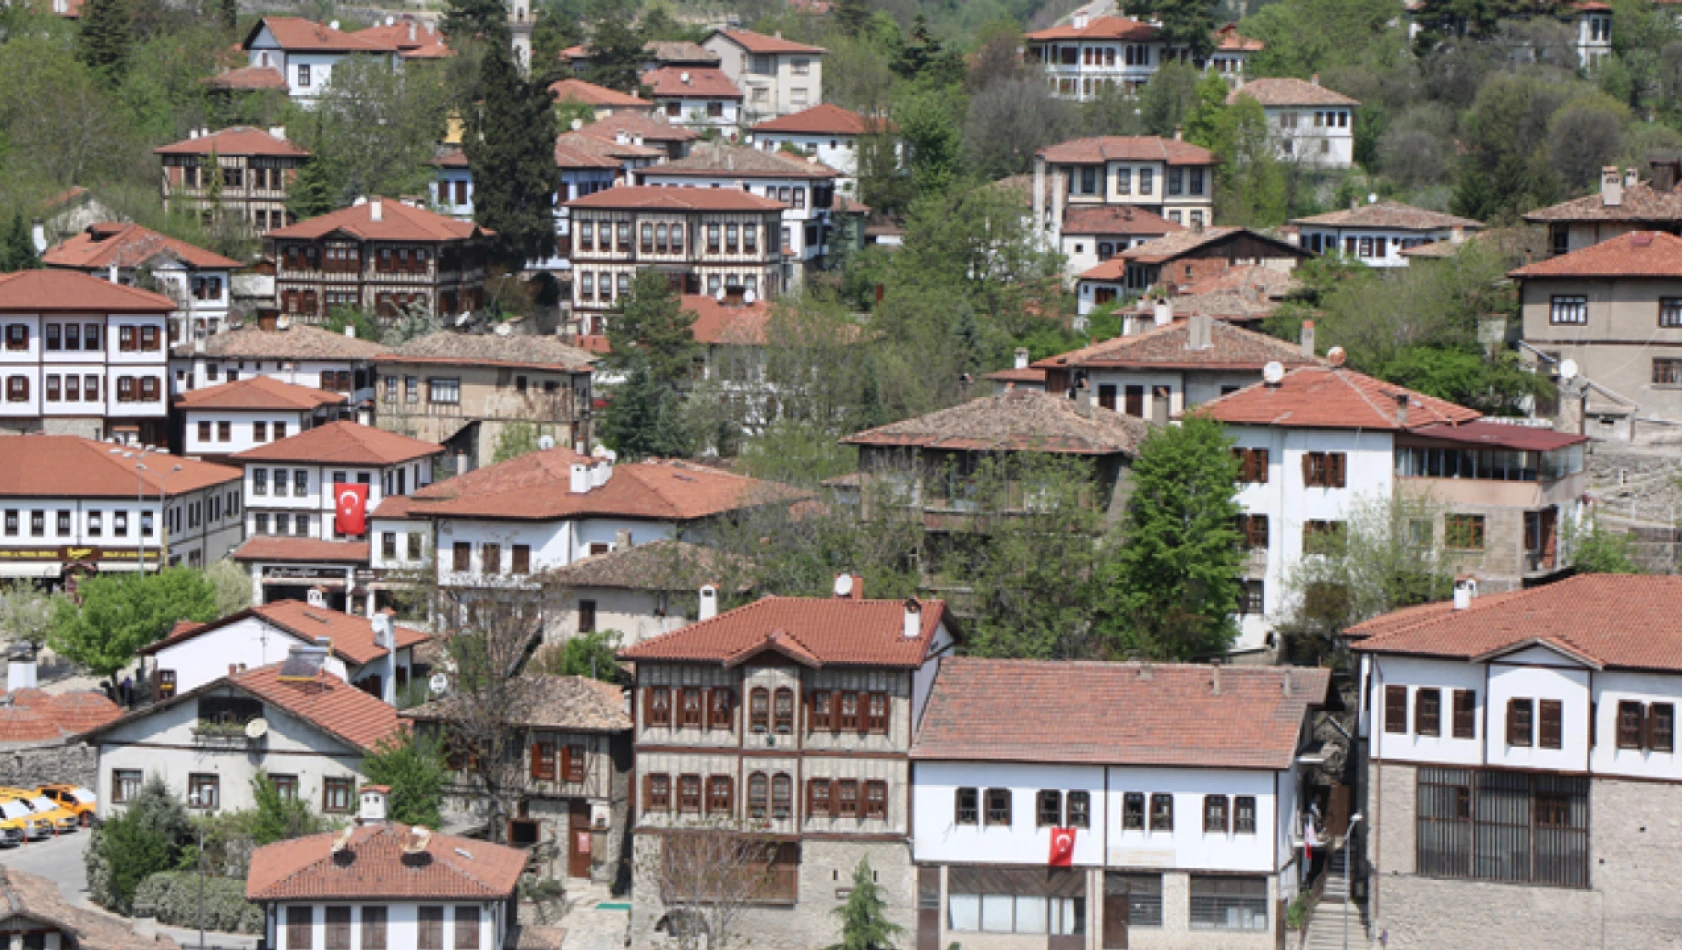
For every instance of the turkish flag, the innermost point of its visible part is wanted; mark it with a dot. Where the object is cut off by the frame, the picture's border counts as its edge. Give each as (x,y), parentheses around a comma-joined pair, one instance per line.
(350,505)
(1062,847)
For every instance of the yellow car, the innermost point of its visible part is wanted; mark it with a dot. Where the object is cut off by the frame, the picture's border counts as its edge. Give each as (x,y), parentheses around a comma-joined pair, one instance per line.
(57,817)
(79,801)
(17,818)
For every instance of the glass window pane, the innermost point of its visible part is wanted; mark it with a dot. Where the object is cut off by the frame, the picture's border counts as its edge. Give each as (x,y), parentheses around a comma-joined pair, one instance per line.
(996,912)
(964,911)
(1031,915)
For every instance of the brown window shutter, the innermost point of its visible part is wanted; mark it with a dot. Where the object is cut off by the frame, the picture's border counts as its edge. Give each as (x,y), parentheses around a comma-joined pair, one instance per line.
(811,788)
(647,793)
(1337,460)
(1261,466)
(1646,725)
(566,763)
(647,706)
(887,714)
(1308,468)
(537,760)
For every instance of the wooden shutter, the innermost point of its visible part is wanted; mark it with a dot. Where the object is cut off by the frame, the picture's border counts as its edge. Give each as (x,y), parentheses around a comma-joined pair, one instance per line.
(1552,715)
(299,927)
(1396,709)
(338,929)
(1465,714)
(1335,461)
(1308,468)
(1646,726)
(537,760)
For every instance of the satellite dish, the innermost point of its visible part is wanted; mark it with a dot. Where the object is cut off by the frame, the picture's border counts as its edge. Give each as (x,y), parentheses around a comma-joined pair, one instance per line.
(1273,372)
(844,585)
(438,684)
(577,124)
(1568,369)
(546,442)
(257,728)
(1336,356)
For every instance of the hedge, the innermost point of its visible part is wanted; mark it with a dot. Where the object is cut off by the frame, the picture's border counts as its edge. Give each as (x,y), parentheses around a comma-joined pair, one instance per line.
(173,898)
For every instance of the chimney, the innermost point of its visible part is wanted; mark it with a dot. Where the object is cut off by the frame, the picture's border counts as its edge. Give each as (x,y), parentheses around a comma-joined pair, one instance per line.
(111,273)
(1402,409)
(1315,79)
(621,138)
(1457,234)
(600,473)
(1666,172)
(1308,339)
(412,36)
(1021,358)
(20,666)
(192,133)
(1197,332)
(1611,187)
(709,603)
(277,131)
(1288,683)
(1465,591)
(622,539)
(1631,179)
(376,210)
(350,330)
(38,235)
(1080,20)
(580,478)
(373,805)
(1163,311)
(1215,679)
(1083,401)
(636,139)
(1179,133)
(913,619)
(965,383)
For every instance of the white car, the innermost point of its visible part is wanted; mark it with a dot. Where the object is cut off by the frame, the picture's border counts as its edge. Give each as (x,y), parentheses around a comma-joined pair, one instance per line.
(35,827)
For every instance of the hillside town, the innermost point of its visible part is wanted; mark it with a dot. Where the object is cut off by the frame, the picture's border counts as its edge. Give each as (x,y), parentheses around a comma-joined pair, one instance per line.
(861,474)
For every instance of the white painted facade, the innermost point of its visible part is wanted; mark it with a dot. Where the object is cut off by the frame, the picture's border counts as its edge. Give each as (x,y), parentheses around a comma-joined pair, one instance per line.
(1317,136)
(302,494)
(551,543)
(249,643)
(701,114)
(45,535)
(402,924)
(805,225)
(200,371)
(206,428)
(772,84)
(121,371)
(1374,247)
(307,74)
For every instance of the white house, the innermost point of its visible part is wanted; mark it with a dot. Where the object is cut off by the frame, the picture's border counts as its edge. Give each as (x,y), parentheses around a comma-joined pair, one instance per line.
(636,591)
(1083,57)
(378,885)
(83,356)
(1088,805)
(193,655)
(696,97)
(778,76)
(603,100)
(315,728)
(305,53)
(290,353)
(229,418)
(1309,123)
(1324,441)
(826,132)
(1521,763)
(1376,233)
(197,279)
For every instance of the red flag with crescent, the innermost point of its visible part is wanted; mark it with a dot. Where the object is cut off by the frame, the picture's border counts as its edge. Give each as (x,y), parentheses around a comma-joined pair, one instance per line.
(350,506)
(1062,847)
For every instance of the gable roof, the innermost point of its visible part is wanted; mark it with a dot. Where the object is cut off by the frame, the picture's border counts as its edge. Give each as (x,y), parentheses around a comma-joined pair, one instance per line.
(35,715)
(579,150)
(342,443)
(248,77)
(1180,243)
(577,90)
(1167,347)
(1097,28)
(814,631)
(561,703)
(1289,91)
(1239,717)
(492,349)
(374,863)
(1116,219)
(826,118)
(411,38)
(1017,420)
(298,35)
(1127,148)
(1623,621)
(40,898)
(1633,254)
(236,140)
(297,342)
(1391,215)
(705,82)
(651,128)
(397,222)
(653,198)
(715,159)
(718,324)
(1328,397)
(1639,203)
(128,245)
(258,392)
(663,565)
(68,466)
(352,636)
(760,43)
(51,290)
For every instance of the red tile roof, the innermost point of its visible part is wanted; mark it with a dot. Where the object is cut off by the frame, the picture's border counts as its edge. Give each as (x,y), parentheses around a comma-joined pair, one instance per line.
(373,865)
(722,160)
(1168,347)
(1127,148)
(68,466)
(449,348)
(297,342)
(1117,219)
(826,119)
(1288,91)
(411,39)
(248,77)
(127,245)
(1502,436)
(35,715)
(236,140)
(26,724)
(1634,254)
(327,702)
(760,43)
(1238,717)
(342,443)
(705,82)
(60,291)
(352,637)
(1097,28)
(1228,39)
(1017,420)
(813,631)
(78,712)
(258,392)
(1642,204)
(398,222)
(717,323)
(577,90)
(1325,397)
(651,128)
(32,897)
(298,35)
(1623,621)
(302,550)
(650,198)
(1391,215)
(580,150)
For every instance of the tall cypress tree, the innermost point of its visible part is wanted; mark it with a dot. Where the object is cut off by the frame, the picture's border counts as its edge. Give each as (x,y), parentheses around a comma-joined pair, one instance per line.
(17,251)
(616,55)
(864,918)
(511,147)
(465,19)
(652,345)
(105,38)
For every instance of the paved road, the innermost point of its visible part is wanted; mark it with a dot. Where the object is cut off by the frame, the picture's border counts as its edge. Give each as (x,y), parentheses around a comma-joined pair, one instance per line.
(61,860)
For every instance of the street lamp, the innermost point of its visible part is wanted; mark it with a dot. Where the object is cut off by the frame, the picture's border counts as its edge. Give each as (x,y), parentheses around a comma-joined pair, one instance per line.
(1348,895)
(195,800)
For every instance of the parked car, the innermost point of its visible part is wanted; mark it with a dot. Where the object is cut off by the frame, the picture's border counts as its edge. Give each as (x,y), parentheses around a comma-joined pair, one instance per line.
(79,801)
(16,816)
(58,818)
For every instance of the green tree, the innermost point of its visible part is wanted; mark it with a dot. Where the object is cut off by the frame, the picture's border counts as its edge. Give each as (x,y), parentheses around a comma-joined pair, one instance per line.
(1595,549)
(864,918)
(616,54)
(1170,95)
(413,765)
(365,324)
(1304,37)
(120,613)
(591,655)
(26,612)
(482,19)
(231,585)
(146,837)
(278,817)
(515,439)
(1251,187)
(314,191)
(106,39)
(1187,23)
(654,351)
(1172,589)
(17,251)
(511,146)
(551,33)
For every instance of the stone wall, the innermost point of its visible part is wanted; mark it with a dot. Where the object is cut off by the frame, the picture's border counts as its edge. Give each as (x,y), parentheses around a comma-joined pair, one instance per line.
(28,764)
(1629,905)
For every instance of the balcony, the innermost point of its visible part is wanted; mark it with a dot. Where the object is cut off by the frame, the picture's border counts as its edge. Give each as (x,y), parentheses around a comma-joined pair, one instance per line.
(225,734)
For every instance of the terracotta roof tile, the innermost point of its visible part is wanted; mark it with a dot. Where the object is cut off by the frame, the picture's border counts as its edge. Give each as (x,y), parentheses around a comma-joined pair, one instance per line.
(352,636)
(236,140)
(328,702)
(647,197)
(27,724)
(1288,91)
(721,324)
(1324,397)
(1612,620)
(76,713)
(1502,436)
(1228,39)
(258,392)
(760,43)
(373,865)
(1097,28)
(398,222)
(578,150)
(1180,243)
(1133,148)
(816,631)
(1117,219)
(652,129)
(35,715)
(297,342)
(1640,204)
(411,39)
(663,565)
(1231,348)
(705,82)
(577,90)
(717,159)
(298,35)
(1028,376)
(248,77)
(480,349)
(342,443)
(1635,254)
(1391,215)
(26,895)
(59,291)
(1241,717)
(127,245)
(68,466)
(562,703)
(1016,420)
(826,119)
(302,550)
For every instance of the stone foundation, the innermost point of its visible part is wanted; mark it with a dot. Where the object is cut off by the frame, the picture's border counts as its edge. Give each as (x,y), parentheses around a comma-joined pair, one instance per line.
(28,764)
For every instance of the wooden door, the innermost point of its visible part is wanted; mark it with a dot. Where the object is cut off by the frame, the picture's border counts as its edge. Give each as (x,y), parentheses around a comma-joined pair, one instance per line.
(578,839)
(1135,405)
(1115,920)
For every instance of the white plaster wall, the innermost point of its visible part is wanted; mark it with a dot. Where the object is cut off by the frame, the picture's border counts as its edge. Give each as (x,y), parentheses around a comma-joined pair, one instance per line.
(402,928)
(241,425)
(1614,686)
(248,643)
(1571,686)
(1446,675)
(316,502)
(1307,138)
(937,838)
(1187,846)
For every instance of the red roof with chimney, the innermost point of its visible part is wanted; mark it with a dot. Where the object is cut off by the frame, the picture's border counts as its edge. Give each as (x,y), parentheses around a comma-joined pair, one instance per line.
(1333,397)
(1633,254)
(384,861)
(812,631)
(236,140)
(704,82)
(760,43)
(128,245)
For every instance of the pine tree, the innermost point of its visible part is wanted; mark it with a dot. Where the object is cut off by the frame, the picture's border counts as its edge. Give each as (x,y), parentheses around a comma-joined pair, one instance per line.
(853,16)
(486,19)
(653,350)
(228,10)
(1185,23)
(864,920)
(1172,589)
(312,192)
(550,35)
(616,55)
(17,251)
(105,38)
(511,146)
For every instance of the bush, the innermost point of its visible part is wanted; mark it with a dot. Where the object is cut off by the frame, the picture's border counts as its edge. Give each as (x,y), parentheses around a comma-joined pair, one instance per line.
(146,838)
(173,898)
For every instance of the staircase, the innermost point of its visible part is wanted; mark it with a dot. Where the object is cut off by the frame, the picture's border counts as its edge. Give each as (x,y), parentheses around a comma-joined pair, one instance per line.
(1325,928)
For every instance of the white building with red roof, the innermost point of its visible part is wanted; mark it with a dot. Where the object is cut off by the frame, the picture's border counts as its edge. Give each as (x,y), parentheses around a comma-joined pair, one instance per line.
(221,420)
(1377,232)
(791,717)
(779,77)
(696,97)
(199,281)
(1089,53)
(828,133)
(1325,440)
(256,167)
(305,53)
(1310,124)
(603,100)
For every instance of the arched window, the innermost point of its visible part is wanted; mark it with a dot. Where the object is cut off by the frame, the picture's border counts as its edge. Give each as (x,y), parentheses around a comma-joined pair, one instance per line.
(757,788)
(783,711)
(782,796)
(759,710)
